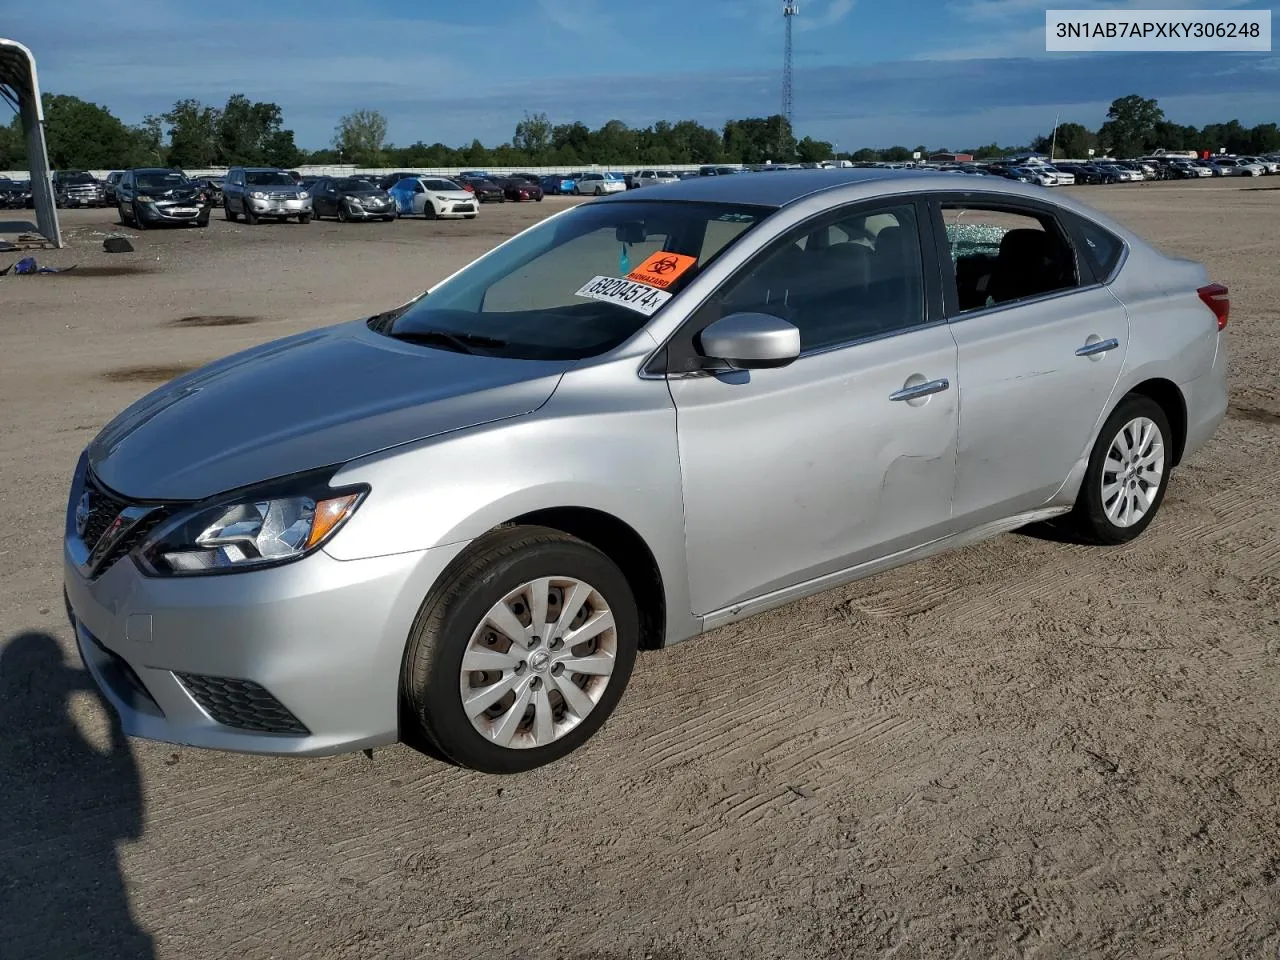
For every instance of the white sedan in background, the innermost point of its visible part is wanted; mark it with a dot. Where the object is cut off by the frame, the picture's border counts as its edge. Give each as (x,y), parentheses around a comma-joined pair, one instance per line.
(598,184)
(433,198)
(649,178)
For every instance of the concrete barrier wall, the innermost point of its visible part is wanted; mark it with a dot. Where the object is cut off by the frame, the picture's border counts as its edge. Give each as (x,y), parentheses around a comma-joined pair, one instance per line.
(326,171)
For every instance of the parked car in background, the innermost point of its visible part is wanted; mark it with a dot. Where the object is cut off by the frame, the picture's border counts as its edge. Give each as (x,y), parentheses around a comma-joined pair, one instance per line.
(718,170)
(350,198)
(76,188)
(212,187)
(517,189)
(485,190)
(258,192)
(652,177)
(15,194)
(153,196)
(1236,167)
(556,185)
(1268,166)
(357,533)
(529,177)
(433,198)
(389,180)
(109,186)
(598,184)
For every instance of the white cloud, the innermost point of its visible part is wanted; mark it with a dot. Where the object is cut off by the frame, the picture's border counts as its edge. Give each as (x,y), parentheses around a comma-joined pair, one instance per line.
(828,14)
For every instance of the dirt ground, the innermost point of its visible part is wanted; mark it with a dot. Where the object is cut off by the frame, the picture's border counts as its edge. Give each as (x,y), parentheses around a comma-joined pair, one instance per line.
(1024,749)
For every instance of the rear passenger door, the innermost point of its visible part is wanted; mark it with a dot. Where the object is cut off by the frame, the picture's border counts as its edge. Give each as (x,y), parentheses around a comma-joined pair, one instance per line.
(1041,345)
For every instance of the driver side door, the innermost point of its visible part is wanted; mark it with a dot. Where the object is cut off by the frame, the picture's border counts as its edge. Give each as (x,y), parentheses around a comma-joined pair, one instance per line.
(793,475)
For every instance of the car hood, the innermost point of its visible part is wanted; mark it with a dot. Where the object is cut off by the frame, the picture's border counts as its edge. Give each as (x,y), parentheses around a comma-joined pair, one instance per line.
(319,398)
(451,194)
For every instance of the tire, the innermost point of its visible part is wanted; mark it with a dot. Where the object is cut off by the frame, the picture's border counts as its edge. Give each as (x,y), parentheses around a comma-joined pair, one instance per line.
(539,199)
(304,218)
(448,627)
(202,221)
(124,217)
(138,222)
(228,213)
(471,216)
(428,211)
(250,217)
(1095,518)
(343,216)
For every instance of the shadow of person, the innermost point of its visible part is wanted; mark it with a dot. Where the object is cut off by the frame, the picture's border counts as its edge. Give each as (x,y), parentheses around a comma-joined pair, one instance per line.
(64,806)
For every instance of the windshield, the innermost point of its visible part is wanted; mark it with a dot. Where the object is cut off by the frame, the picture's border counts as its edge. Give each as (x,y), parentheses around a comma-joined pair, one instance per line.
(354,184)
(269,179)
(160,181)
(81,178)
(448,185)
(569,287)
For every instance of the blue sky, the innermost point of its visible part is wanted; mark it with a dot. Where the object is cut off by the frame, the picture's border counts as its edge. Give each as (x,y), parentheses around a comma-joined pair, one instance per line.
(868,72)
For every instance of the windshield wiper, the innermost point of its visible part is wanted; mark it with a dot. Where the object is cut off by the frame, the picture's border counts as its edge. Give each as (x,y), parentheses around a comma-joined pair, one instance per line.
(462,342)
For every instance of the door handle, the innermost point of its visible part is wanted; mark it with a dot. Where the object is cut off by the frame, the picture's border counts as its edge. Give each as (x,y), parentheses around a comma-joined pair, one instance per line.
(921,389)
(1099,346)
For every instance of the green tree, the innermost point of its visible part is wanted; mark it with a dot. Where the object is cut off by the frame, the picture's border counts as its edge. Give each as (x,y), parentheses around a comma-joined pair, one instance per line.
(361,136)
(533,135)
(614,142)
(83,135)
(251,132)
(866,155)
(1074,140)
(757,139)
(1130,130)
(1265,138)
(895,154)
(810,150)
(13,145)
(193,134)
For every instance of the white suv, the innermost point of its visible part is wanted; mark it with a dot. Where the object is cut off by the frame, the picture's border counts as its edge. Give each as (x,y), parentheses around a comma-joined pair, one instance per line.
(648,178)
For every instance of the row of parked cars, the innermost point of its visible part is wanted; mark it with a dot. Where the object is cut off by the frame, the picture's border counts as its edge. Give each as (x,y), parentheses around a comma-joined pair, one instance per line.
(1107,170)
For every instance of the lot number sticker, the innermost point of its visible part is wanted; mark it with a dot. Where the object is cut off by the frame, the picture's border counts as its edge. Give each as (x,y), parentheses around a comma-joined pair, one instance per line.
(662,269)
(639,297)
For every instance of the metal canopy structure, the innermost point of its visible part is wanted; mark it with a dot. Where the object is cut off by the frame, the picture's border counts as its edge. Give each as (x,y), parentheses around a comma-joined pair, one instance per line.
(19,85)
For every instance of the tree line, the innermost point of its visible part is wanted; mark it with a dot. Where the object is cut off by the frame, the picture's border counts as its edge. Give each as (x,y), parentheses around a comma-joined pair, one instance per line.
(194,135)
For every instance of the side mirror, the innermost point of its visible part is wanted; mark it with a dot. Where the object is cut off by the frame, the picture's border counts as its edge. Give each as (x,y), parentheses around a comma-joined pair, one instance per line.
(751,341)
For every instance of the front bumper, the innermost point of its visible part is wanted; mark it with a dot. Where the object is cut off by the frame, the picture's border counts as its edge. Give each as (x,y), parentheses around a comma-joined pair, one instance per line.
(363,212)
(173,213)
(280,208)
(302,659)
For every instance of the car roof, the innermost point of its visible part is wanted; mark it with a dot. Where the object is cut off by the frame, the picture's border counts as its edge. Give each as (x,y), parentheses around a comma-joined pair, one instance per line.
(790,186)
(156,170)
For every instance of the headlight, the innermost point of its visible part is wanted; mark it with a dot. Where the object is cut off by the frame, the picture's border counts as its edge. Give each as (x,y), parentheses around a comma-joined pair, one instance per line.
(272,524)
(258,195)
(143,198)
(302,194)
(442,199)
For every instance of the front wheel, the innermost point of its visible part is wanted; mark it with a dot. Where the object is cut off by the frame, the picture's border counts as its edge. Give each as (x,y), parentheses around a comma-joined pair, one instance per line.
(123,215)
(250,217)
(138,222)
(522,651)
(429,211)
(1127,476)
(304,218)
(343,216)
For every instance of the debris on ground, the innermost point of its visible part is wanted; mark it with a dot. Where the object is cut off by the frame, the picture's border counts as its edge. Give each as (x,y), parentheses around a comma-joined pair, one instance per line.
(28,265)
(117,245)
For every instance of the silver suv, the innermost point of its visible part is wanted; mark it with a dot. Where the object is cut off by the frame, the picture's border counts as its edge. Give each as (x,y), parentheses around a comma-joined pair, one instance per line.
(258,192)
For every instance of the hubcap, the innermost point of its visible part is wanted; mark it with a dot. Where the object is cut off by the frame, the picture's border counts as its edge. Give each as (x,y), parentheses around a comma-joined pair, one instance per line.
(539,662)
(1132,472)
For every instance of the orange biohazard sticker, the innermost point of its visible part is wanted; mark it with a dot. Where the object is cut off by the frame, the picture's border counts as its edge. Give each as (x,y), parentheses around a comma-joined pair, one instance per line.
(662,269)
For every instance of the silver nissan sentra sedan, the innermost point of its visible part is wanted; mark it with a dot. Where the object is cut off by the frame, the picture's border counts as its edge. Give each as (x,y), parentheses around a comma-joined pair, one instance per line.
(651,415)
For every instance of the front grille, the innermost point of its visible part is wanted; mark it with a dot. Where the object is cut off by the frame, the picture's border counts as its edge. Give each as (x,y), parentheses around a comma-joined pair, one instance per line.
(242,704)
(104,507)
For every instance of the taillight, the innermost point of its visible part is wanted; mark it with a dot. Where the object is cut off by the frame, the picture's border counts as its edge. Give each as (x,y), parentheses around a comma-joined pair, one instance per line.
(1217,298)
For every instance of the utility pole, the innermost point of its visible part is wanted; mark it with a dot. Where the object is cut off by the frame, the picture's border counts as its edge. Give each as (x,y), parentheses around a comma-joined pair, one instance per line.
(789,11)
(1053,142)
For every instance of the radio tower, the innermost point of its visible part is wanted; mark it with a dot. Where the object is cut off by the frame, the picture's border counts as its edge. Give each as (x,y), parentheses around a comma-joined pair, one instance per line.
(789,10)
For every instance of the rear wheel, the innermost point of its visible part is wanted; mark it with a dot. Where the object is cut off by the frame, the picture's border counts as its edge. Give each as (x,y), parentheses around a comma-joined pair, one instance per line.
(1127,476)
(522,651)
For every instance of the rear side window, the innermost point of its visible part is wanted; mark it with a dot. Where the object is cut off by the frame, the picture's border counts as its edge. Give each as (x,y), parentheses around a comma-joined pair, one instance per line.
(1003,256)
(1102,248)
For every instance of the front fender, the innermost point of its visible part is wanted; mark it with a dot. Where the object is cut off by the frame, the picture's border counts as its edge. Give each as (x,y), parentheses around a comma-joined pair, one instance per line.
(621,460)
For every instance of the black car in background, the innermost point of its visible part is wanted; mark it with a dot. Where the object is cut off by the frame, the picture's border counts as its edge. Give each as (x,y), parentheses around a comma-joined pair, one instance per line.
(76,188)
(15,195)
(350,198)
(391,179)
(211,187)
(151,196)
(486,190)
(109,186)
